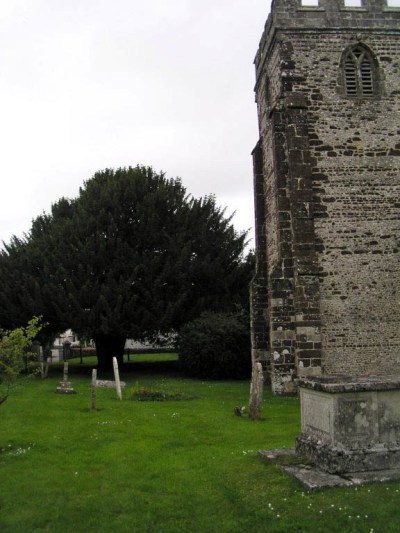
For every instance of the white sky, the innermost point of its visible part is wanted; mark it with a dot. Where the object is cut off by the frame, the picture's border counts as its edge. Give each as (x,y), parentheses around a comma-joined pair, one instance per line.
(90,84)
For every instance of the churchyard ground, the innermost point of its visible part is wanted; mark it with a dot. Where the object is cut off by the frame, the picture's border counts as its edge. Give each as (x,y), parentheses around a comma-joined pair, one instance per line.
(166,466)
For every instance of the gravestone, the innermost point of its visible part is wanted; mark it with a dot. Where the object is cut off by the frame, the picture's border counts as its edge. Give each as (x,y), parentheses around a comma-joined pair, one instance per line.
(256,392)
(65,386)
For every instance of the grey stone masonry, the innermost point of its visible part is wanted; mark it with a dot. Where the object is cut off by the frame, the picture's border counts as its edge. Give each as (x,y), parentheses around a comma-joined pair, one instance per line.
(327,188)
(328,170)
(350,425)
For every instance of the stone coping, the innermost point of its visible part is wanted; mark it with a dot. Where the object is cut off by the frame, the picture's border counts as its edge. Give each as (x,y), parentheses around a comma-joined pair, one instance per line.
(313,478)
(337,384)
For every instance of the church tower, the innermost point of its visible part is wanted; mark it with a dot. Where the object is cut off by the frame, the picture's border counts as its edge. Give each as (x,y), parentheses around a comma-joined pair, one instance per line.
(327,181)
(325,298)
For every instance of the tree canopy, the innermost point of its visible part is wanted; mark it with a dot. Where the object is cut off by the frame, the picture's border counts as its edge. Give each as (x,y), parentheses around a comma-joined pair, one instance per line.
(132,256)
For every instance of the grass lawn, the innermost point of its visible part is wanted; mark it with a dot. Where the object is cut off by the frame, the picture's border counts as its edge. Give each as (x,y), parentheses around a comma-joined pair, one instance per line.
(163,467)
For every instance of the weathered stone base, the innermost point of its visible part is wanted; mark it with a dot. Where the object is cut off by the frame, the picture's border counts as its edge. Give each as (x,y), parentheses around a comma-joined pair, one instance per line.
(350,425)
(313,478)
(65,387)
(341,460)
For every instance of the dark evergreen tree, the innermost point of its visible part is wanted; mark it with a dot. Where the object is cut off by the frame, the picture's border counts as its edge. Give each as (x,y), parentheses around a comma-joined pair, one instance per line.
(134,255)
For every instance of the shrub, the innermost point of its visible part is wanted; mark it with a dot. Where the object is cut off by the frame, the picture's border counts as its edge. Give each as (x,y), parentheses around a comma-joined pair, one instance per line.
(216,346)
(15,355)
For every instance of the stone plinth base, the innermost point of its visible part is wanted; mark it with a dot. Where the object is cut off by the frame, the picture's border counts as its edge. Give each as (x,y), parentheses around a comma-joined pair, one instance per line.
(65,387)
(350,425)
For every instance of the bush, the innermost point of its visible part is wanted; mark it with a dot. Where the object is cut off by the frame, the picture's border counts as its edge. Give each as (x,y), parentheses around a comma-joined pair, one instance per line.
(15,355)
(216,346)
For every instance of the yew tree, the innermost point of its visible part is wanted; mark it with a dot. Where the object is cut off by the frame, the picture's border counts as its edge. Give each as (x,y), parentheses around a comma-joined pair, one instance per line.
(134,255)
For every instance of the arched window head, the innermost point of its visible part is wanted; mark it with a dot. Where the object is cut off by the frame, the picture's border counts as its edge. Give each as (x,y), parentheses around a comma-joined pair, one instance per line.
(360,73)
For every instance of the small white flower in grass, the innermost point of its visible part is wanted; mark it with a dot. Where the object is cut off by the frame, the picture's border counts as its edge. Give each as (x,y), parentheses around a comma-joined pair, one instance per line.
(76,473)
(366,516)
(278,516)
(320,512)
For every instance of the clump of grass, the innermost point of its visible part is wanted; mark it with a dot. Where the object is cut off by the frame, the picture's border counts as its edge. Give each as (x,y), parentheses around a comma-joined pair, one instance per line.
(145,394)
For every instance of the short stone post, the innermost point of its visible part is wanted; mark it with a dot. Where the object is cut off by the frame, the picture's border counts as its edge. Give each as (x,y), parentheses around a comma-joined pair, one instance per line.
(65,376)
(256,392)
(66,350)
(94,386)
(117,380)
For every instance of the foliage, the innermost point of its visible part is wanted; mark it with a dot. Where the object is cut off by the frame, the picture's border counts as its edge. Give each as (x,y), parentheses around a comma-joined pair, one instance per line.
(216,346)
(15,355)
(133,256)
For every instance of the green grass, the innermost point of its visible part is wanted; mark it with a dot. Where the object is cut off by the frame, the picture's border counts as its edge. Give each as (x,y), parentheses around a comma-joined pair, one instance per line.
(163,467)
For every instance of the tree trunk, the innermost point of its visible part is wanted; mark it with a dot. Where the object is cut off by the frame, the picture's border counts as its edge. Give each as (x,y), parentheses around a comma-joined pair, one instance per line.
(107,347)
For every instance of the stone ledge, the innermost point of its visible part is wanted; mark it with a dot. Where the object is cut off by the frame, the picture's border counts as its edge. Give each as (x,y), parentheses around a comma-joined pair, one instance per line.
(347,461)
(313,478)
(274,455)
(337,384)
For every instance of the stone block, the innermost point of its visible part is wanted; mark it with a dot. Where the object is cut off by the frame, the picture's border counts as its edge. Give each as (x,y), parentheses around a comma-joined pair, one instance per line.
(350,425)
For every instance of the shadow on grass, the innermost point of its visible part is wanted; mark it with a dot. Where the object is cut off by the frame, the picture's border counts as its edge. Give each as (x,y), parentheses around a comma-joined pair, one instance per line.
(167,368)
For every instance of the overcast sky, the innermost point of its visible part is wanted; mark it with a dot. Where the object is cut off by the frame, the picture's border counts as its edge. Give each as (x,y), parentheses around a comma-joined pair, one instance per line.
(90,84)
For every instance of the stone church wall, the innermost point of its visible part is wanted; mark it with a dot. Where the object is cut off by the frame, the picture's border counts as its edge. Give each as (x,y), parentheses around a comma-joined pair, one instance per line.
(331,167)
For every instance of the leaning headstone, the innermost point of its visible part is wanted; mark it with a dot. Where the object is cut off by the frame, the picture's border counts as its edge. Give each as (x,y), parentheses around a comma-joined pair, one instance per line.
(94,386)
(41,356)
(117,381)
(256,392)
(65,386)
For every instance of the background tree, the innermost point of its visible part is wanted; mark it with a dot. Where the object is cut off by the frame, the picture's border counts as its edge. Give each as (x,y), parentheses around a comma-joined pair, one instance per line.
(14,355)
(216,346)
(134,255)
(28,285)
